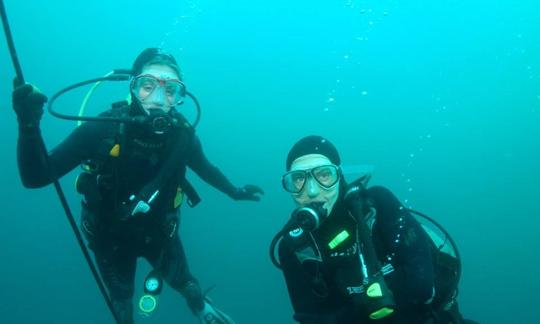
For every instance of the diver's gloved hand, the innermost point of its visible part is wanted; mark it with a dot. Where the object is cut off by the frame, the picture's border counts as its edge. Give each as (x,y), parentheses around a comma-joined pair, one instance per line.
(28,104)
(248,192)
(211,315)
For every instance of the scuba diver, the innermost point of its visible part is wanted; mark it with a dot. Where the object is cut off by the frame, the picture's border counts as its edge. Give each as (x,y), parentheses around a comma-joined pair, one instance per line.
(133,183)
(352,254)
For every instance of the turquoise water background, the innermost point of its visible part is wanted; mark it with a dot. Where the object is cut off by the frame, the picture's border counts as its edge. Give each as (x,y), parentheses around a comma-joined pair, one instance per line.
(440,98)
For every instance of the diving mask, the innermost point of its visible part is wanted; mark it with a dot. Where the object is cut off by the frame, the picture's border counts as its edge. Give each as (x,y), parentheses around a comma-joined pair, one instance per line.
(326,176)
(153,92)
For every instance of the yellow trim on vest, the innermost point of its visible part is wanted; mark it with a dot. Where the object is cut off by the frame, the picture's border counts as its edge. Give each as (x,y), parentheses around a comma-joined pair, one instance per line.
(179,198)
(115,151)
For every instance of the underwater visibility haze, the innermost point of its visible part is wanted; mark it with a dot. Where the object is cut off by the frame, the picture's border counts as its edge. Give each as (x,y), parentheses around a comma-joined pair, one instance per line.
(438,100)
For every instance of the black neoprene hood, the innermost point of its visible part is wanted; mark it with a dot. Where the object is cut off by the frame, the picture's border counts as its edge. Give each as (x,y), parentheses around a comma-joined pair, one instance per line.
(313,145)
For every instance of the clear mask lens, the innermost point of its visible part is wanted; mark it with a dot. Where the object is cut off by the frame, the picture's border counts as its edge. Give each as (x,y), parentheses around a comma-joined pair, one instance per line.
(326,176)
(148,89)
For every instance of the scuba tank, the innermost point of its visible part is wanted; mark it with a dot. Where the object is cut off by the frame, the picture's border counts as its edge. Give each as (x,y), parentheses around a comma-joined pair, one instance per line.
(446,261)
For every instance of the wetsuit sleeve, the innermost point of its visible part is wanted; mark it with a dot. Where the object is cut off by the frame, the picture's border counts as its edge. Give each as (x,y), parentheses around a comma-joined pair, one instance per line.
(80,145)
(198,162)
(413,280)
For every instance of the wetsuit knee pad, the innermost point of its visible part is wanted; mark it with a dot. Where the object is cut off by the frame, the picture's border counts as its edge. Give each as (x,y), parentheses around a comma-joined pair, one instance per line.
(124,310)
(193,294)
(120,285)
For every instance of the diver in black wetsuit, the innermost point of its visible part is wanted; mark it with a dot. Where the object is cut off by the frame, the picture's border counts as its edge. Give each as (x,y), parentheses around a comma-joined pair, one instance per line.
(133,181)
(352,254)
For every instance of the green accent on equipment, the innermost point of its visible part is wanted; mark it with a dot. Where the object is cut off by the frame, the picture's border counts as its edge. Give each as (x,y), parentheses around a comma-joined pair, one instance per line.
(381,313)
(147,304)
(374,291)
(338,239)
(89,94)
